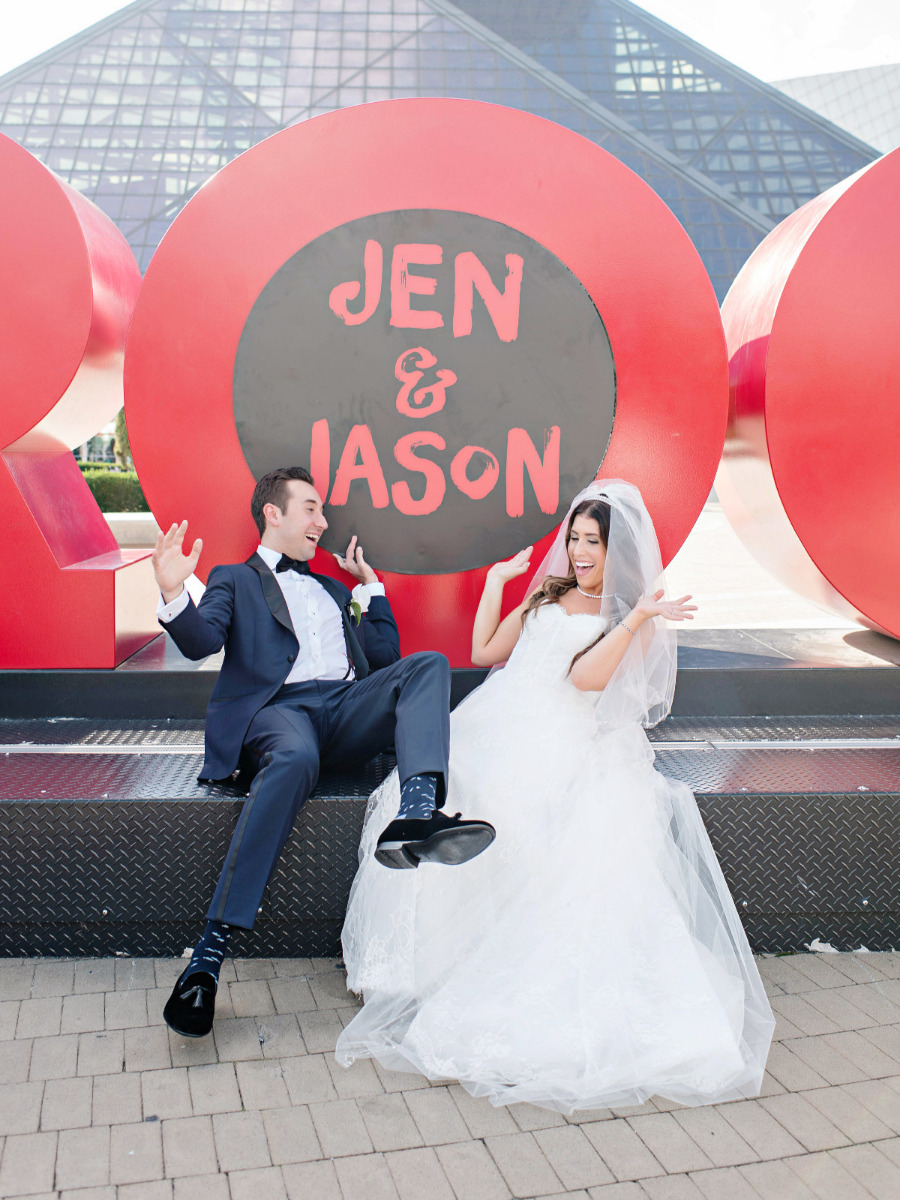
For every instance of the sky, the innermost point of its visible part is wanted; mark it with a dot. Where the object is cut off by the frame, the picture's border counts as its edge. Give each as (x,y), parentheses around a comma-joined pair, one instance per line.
(772,39)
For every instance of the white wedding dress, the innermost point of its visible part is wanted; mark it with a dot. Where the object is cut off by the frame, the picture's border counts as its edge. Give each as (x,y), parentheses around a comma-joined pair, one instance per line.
(592,955)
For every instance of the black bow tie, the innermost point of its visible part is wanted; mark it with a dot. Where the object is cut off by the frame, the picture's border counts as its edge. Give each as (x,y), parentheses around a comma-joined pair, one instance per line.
(291,564)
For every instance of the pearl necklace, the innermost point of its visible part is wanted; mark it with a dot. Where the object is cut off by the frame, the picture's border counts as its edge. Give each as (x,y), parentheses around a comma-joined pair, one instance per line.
(590,595)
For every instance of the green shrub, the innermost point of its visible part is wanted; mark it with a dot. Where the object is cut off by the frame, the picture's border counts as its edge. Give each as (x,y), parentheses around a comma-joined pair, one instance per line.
(114,491)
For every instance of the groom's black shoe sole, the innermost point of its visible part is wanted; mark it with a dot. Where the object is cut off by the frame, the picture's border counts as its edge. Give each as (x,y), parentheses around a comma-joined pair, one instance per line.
(190,1009)
(441,839)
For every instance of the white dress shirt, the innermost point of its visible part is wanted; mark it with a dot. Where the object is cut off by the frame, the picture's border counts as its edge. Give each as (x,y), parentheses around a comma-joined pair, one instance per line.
(314,615)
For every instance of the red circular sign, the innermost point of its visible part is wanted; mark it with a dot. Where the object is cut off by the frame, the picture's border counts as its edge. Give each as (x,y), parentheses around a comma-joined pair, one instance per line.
(809,477)
(586,208)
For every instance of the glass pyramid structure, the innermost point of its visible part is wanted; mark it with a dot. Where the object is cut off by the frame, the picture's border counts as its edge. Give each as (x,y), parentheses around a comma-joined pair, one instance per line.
(140,109)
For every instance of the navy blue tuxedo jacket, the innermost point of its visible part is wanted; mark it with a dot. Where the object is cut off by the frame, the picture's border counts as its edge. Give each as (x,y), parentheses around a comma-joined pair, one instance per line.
(244,610)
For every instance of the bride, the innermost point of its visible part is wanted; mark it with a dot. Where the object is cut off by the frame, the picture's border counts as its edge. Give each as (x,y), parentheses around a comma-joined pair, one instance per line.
(592,956)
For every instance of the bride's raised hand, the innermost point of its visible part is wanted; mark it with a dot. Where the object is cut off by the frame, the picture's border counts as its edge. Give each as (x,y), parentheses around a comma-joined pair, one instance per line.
(503,572)
(672,610)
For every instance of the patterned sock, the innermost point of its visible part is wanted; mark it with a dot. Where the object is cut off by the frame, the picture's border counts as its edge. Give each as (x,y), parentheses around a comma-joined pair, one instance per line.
(210,950)
(417,796)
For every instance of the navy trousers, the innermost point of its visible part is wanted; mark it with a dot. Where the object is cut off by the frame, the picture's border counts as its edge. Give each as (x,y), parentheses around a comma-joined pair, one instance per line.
(328,722)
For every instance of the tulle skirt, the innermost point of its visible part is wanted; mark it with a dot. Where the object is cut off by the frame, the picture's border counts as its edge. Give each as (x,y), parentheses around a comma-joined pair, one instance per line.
(591,957)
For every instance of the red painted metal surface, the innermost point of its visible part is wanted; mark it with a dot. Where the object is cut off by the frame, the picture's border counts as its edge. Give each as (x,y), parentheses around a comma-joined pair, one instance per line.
(68,281)
(809,477)
(587,208)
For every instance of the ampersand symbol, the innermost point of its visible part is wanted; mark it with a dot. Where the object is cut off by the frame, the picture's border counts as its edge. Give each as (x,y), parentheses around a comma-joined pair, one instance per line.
(420,405)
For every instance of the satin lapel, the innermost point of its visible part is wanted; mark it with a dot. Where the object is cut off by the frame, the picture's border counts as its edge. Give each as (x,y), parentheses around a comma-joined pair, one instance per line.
(354,649)
(272,592)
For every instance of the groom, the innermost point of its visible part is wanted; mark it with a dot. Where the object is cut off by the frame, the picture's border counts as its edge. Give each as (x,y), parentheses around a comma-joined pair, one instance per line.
(310,676)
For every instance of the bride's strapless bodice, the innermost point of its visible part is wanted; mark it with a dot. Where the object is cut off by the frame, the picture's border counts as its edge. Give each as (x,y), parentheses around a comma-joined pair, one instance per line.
(549,640)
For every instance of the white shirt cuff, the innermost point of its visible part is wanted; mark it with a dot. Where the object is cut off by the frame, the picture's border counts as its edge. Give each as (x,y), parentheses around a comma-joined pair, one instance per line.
(363,593)
(168,612)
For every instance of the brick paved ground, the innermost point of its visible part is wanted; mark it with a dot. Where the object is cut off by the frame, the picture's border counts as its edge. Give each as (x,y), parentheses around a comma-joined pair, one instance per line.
(99,1102)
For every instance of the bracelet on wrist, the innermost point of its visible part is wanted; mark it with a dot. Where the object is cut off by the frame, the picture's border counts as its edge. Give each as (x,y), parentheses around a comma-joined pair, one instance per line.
(628,628)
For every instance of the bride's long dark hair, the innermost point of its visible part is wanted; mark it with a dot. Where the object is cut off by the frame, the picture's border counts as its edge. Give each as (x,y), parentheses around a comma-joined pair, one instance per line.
(555,587)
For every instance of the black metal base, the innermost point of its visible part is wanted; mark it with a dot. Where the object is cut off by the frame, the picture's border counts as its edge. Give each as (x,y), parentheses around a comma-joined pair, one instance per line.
(109,846)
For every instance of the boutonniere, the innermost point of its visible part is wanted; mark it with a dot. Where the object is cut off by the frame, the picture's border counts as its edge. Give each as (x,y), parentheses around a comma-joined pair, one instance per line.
(355,610)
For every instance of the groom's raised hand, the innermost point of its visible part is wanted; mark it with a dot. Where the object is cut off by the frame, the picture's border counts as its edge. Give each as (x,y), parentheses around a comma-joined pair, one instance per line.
(171,565)
(354,564)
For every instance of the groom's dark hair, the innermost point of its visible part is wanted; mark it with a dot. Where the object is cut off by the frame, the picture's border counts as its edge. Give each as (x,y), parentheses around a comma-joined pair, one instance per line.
(272,489)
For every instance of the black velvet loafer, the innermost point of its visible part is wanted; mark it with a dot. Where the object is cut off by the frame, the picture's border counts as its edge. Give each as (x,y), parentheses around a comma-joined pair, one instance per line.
(190,1009)
(440,839)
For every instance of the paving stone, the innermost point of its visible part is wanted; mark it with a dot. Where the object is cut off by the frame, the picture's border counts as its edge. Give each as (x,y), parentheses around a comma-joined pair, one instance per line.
(388,1122)
(886,1038)
(320,1031)
(288,967)
(823,1058)
(28,1163)
(189,1147)
(805,1122)
(308,1079)
(253,968)
(330,990)
(791,1071)
(241,1141)
(360,1079)
(846,1113)
(340,1128)
(251,998)
(15,1061)
(20,1107)
(672,1187)
(471,1172)
(135,974)
(667,1141)
(98,1193)
(759,1129)
(879,1098)
(191,1052)
(135,1153)
(126,1009)
(265,1183)
(397,1081)
(315,1179)
(160,1189)
(66,1104)
(826,1178)
(523,1164)
(871,1000)
(82,1159)
(82,1013)
(294,995)
(39,1018)
(801,1013)
(437,1117)
(365,1177)
(719,1141)
(418,1174)
(53,978)
(9,1016)
(818,970)
(101,1053)
(94,975)
(237,1040)
(723,1183)
(280,1036)
(165,1094)
(611,1191)
(839,1008)
(572,1157)
(872,1062)
(874,1170)
(15,981)
(214,1089)
(622,1150)
(146,1049)
(54,1057)
(203,1187)
(262,1084)
(291,1135)
(529,1117)
(590,1116)
(482,1118)
(779,970)
(776,1181)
